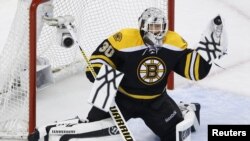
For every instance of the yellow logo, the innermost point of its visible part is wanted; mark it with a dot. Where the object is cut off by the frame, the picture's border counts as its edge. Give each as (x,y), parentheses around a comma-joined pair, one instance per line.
(151,70)
(118,36)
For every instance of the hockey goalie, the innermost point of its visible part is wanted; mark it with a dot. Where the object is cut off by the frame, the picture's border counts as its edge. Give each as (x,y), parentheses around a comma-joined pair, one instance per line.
(132,67)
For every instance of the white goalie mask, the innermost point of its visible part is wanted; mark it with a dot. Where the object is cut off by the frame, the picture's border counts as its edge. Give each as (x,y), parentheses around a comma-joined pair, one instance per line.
(153,27)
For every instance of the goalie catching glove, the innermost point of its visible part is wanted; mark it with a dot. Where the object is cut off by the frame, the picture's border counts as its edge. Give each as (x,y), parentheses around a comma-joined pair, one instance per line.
(213,43)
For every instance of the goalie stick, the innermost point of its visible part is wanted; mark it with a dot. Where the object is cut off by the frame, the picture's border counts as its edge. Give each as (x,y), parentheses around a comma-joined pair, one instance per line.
(114,110)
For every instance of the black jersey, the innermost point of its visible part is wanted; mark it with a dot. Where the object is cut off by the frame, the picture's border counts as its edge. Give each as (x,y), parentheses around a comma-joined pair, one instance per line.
(145,74)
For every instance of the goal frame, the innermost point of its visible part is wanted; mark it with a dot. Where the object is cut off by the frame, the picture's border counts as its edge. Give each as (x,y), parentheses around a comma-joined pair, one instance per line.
(32,58)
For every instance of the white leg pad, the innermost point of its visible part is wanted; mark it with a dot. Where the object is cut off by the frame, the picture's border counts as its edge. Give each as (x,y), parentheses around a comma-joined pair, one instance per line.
(85,131)
(183,129)
(42,129)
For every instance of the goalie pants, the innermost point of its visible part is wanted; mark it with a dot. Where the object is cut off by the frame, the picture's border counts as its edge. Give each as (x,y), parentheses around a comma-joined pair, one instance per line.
(161,114)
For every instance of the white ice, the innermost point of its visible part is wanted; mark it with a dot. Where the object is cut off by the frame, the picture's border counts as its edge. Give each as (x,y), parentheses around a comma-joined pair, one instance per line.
(224,95)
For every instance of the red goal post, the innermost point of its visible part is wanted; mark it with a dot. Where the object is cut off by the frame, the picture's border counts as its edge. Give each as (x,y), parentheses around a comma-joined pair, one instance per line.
(171,14)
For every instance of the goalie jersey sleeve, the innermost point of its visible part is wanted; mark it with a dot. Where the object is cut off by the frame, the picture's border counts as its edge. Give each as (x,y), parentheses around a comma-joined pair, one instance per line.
(192,66)
(189,63)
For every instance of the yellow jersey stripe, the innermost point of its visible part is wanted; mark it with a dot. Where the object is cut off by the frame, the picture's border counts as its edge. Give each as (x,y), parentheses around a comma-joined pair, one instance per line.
(188,60)
(94,66)
(197,66)
(136,96)
(103,58)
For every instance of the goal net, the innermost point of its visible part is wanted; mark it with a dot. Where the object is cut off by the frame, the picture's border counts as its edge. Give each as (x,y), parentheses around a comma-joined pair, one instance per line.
(33,56)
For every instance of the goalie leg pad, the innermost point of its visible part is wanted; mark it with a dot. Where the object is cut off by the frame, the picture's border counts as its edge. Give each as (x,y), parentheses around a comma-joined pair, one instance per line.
(83,131)
(196,123)
(183,129)
(191,122)
(42,132)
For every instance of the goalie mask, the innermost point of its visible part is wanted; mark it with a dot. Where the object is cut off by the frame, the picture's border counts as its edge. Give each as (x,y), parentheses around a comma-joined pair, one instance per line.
(153,27)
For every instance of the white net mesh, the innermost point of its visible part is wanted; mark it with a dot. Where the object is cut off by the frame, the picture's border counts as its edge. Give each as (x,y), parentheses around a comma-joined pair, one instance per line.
(95,20)
(14,76)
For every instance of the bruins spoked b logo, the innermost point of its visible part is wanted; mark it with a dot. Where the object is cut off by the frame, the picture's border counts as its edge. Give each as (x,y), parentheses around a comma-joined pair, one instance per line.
(151,70)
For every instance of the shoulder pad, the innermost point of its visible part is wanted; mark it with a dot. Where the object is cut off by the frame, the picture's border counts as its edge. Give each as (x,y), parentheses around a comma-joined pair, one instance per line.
(174,41)
(126,38)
